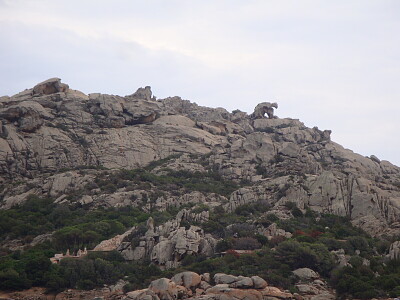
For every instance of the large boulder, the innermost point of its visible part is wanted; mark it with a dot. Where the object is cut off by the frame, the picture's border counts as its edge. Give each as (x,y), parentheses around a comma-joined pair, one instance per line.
(306,274)
(50,86)
(143,93)
(264,108)
(164,288)
(242,283)
(188,279)
(28,116)
(221,278)
(258,282)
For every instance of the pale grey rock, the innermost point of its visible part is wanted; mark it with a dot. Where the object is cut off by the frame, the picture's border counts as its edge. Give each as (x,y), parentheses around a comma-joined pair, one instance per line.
(113,243)
(221,278)
(164,288)
(205,285)
(273,231)
(85,200)
(264,108)
(394,250)
(319,282)
(258,282)
(175,120)
(143,93)
(189,280)
(145,294)
(306,274)
(41,239)
(206,277)
(341,258)
(315,290)
(118,286)
(50,86)
(219,287)
(167,244)
(324,296)
(242,283)
(28,115)
(51,128)
(307,289)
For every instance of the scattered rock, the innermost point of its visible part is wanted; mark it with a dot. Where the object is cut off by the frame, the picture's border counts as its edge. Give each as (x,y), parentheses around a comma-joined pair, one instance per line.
(306,274)
(164,288)
(258,282)
(189,280)
(221,278)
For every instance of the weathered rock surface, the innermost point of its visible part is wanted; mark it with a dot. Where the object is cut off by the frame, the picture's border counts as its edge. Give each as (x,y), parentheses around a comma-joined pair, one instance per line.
(50,86)
(175,288)
(311,286)
(264,108)
(306,274)
(51,128)
(164,288)
(165,245)
(394,250)
(187,279)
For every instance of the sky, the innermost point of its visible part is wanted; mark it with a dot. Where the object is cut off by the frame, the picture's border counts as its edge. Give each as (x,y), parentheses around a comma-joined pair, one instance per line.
(331,64)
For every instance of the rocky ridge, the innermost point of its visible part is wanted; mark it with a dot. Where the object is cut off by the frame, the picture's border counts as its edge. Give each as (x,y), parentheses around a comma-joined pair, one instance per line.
(193,163)
(51,128)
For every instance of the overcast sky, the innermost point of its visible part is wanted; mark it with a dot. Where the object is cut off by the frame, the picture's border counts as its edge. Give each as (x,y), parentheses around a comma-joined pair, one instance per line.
(331,64)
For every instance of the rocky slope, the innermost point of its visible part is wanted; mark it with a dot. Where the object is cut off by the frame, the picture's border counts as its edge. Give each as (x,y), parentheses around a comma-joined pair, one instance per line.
(49,132)
(229,192)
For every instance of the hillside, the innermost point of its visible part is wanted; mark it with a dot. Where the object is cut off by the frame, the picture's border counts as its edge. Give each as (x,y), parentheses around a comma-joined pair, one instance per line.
(172,183)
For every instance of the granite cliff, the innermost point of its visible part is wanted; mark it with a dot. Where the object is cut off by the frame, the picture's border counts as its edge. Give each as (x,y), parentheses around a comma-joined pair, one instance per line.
(50,131)
(219,183)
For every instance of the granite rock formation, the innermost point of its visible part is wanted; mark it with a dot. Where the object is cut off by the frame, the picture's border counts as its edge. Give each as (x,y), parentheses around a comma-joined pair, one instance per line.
(264,108)
(49,132)
(189,285)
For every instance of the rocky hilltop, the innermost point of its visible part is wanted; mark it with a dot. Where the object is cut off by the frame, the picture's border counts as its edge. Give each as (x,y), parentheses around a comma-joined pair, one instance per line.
(136,188)
(49,132)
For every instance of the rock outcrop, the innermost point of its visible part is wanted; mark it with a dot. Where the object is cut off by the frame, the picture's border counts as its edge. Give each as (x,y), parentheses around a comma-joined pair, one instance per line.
(50,129)
(165,245)
(50,86)
(189,285)
(226,287)
(264,108)
(311,286)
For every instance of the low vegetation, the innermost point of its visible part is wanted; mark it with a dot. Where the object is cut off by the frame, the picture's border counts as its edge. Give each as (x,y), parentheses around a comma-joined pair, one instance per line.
(314,237)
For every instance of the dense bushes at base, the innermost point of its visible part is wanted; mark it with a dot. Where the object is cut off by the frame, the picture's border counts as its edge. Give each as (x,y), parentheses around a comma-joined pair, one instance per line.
(365,282)
(74,228)
(21,270)
(40,215)
(313,237)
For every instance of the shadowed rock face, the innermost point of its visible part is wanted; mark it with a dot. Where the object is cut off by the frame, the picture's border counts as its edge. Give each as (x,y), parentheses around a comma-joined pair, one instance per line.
(50,128)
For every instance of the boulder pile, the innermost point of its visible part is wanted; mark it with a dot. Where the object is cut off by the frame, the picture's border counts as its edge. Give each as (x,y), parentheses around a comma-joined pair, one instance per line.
(190,285)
